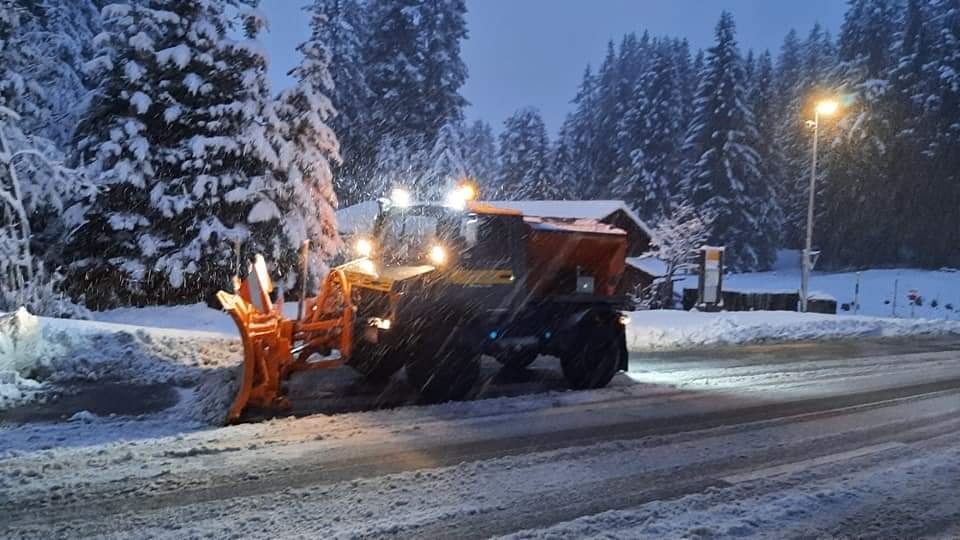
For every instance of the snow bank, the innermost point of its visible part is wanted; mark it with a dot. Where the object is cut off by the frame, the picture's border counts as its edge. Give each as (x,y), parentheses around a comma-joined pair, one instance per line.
(39,355)
(666,329)
(19,341)
(20,354)
(191,317)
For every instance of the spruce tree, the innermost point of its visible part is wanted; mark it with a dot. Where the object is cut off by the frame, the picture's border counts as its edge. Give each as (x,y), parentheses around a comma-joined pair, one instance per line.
(524,159)
(341,26)
(574,160)
(725,180)
(653,128)
(414,72)
(181,139)
(57,39)
(856,189)
(480,154)
(308,148)
(446,164)
(442,28)
(942,98)
(762,97)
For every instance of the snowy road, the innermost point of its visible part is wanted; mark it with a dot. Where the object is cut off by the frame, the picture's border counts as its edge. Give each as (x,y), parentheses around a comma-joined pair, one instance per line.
(769,441)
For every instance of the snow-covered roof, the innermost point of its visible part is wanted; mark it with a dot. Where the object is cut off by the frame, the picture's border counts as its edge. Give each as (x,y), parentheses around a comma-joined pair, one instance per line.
(357,218)
(572,209)
(572,225)
(649,265)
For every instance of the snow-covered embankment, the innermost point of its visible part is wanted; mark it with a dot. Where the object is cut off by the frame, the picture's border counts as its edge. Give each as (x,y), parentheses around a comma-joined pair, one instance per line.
(39,356)
(659,330)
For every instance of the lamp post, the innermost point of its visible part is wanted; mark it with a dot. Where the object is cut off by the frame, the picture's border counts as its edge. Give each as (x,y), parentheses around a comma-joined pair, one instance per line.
(823,108)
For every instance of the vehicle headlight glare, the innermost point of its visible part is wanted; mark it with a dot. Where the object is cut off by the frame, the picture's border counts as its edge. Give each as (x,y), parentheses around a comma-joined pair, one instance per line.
(364,247)
(400,198)
(438,255)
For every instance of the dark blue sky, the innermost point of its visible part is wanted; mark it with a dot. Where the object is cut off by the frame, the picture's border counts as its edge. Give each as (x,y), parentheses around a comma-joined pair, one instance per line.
(533,52)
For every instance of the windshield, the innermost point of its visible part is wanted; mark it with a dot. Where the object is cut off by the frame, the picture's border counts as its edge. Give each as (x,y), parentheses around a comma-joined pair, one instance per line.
(406,236)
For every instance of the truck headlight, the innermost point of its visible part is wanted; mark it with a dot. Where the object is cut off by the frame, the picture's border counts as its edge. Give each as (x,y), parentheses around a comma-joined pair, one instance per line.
(363,247)
(400,198)
(438,255)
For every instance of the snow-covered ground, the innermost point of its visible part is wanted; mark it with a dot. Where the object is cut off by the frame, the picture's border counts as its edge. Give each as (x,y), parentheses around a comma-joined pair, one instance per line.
(196,346)
(397,472)
(39,354)
(668,329)
(939,289)
(84,457)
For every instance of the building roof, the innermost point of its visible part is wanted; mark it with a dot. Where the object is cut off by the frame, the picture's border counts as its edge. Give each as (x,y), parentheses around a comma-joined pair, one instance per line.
(573,209)
(588,226)
(359,217)
(649,265)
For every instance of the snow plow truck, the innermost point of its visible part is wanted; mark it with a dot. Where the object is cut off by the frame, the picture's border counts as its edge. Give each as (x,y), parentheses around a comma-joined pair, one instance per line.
(433,288)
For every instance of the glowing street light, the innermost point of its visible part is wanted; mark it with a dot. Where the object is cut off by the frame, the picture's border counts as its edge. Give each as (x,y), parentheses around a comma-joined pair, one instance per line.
(826,108)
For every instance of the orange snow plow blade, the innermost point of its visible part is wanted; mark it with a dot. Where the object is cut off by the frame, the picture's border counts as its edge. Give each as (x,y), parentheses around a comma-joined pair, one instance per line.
(275,347)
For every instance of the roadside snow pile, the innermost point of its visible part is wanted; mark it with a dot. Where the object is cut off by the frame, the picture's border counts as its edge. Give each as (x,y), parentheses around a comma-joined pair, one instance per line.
(664,329)
(20,354)
(191,317)
(39,355)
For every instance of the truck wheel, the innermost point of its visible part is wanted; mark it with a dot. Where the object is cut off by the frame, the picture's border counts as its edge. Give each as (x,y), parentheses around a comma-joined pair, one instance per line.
(596,352)
(377,361)
(516,360)
(443,371)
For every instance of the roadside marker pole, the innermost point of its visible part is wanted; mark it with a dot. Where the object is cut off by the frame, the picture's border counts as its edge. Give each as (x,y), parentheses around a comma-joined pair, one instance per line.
(856,296)
(896,283)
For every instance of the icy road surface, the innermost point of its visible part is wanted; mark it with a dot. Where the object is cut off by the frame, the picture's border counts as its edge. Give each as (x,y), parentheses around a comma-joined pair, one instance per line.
(767,441)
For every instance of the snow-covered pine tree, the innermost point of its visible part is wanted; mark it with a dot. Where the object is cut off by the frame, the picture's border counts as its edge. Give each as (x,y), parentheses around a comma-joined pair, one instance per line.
(857,199)
(341,25)
(393,62)
(480,153)
(687,75)
(442,28)
(942,98)
(414,71)
(56,37)
(573,160)
(446,164)
(524,159)
(308,147)
(606,113)
(181,140)
(762,97)
(905,108)
(725,180)
(34,190)
(653,126)
(399,163)
(789,74)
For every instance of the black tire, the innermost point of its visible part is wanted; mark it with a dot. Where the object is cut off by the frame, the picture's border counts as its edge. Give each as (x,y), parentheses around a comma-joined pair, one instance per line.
(517,360)
(595,353)
(443,369)
(377,361)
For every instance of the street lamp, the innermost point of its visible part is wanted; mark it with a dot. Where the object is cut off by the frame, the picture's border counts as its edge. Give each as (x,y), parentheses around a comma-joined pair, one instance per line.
(824,108)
